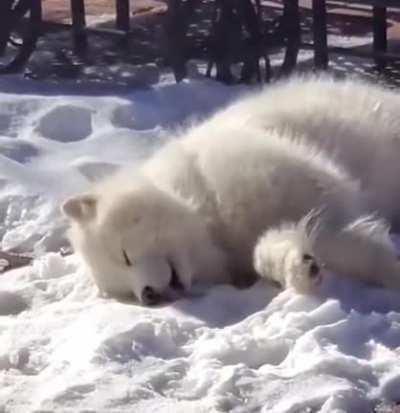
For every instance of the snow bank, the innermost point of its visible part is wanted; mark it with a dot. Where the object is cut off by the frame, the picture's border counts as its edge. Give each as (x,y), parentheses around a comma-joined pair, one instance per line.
(64,349)
(229,350)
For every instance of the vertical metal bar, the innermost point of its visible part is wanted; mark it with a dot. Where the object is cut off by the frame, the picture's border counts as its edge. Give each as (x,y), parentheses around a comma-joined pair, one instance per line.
(123,11)
(175,31)
(5,13)
(321,57)
(292,32)
(79,25)
(36,15)
(380,33)
(34,8)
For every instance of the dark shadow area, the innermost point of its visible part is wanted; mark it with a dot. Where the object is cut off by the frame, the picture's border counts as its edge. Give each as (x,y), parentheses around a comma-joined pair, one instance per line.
(11,303)
(222,305)
(360,297)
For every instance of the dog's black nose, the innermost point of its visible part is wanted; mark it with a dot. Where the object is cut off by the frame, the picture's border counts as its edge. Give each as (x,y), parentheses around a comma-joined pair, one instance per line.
(150,296)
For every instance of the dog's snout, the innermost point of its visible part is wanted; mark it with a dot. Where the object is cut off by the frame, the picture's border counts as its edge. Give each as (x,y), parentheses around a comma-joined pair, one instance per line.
(150,296)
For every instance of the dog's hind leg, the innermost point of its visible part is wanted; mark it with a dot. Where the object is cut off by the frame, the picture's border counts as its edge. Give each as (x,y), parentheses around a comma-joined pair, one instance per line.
(296,256)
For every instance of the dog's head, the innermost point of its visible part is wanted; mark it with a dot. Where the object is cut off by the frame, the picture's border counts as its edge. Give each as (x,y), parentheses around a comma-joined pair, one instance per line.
(140,241)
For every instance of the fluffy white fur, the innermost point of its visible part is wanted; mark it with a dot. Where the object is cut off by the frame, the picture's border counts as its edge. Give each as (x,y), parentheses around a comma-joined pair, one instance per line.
(281,184)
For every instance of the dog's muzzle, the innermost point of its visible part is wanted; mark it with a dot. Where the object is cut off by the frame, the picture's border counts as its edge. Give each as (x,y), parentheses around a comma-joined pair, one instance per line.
(151,297)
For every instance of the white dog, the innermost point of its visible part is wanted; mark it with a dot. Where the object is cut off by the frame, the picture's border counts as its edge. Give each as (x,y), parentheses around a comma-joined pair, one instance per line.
(279,185)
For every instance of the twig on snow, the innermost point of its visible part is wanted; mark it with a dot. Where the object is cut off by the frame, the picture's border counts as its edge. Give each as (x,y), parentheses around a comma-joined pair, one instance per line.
(10,261)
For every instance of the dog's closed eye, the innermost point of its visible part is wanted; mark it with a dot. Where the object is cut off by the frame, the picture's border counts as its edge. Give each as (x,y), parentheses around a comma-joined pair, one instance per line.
(128,262)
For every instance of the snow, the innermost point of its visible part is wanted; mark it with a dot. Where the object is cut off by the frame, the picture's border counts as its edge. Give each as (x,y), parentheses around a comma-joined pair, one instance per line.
(64,349)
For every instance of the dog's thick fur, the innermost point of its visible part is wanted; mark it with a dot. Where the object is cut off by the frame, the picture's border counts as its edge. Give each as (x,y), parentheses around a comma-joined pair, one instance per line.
(302,175)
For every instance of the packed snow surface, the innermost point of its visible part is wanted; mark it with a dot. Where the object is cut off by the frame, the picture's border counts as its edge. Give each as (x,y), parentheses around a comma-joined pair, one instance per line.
(64,349)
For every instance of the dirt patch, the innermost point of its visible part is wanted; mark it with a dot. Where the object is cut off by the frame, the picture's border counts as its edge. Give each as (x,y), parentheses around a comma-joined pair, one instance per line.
(59,10)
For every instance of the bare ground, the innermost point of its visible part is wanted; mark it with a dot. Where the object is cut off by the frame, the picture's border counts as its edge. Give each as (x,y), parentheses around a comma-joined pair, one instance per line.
(144,46)
(59,10)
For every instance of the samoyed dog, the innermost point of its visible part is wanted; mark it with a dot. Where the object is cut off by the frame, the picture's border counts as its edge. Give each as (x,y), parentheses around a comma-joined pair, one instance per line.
(285,184)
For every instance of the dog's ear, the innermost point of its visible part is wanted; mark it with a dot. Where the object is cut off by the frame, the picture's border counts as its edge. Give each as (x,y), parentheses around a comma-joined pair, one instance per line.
(81,207)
